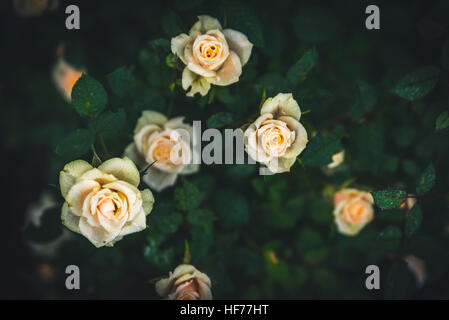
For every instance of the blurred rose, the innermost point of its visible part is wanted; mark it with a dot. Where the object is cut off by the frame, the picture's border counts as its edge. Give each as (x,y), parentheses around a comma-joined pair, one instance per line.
(35,214)
(103,203)
(337,159)
(353,209)
(167,144)
(277,137)
(65,76)
(409,202)
(185,283)
(211,55)
(418,268)
(34,7)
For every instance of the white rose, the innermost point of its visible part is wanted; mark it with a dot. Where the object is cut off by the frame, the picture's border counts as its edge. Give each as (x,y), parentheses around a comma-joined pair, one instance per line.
(103,204)
(65,76)
(211,55)
(164,143)
(185,283)
(277,137)
(353,209)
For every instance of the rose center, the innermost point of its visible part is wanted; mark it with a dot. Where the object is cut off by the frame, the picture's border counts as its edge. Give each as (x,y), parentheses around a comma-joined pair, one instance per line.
(107,207)
(209,50)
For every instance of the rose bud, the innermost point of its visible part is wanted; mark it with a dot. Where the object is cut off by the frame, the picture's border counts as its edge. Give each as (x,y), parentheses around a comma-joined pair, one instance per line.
(337,159)
(211,55)
(353,209)
(185,283)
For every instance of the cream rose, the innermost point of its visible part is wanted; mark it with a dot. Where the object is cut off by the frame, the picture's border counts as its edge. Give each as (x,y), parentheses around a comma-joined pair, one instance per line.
(164,143)
(103,204)
(353,209)
(277,137)
(337,159)
(211,55)
(65,76)
(185,283)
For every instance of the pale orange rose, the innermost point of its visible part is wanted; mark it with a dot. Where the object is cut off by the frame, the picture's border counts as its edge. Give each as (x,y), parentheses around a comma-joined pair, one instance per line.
(353,209)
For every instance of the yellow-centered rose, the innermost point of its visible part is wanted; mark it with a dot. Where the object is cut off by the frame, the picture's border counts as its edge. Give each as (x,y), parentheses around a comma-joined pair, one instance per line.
(353,209)
(103,204)
(277,137)
(211,55)
(185,283)
(166,144)
(65,76)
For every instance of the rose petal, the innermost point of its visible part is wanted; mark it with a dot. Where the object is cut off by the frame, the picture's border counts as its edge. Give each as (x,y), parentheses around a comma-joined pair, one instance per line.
(229,72)
(300,142)
(178,45)
(70,220)
(279,165)
(150,117)
(71,171)
(205,24)
(201,86)
(97,235)
(138,224)
(283,104)
(77,194)
(141,137)
(98,176)
(239,43)
(132,194)
(159,180)
(132,153)
(123,169)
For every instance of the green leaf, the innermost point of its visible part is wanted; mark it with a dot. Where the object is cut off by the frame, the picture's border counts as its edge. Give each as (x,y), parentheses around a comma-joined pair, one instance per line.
(316,25)
(76,144)
(389,199)
(241,17)
(220,120)
(49,229)
(427,180)
(414,220)
(122,80)
(232,207)
(442,121)
(109,123)
(320,149)
(189,197)
(299,71)
(365,99)
(418,83)
(89,97)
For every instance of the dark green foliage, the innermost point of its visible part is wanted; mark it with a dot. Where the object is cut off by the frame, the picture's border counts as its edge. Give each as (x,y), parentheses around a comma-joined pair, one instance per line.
(389,199)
